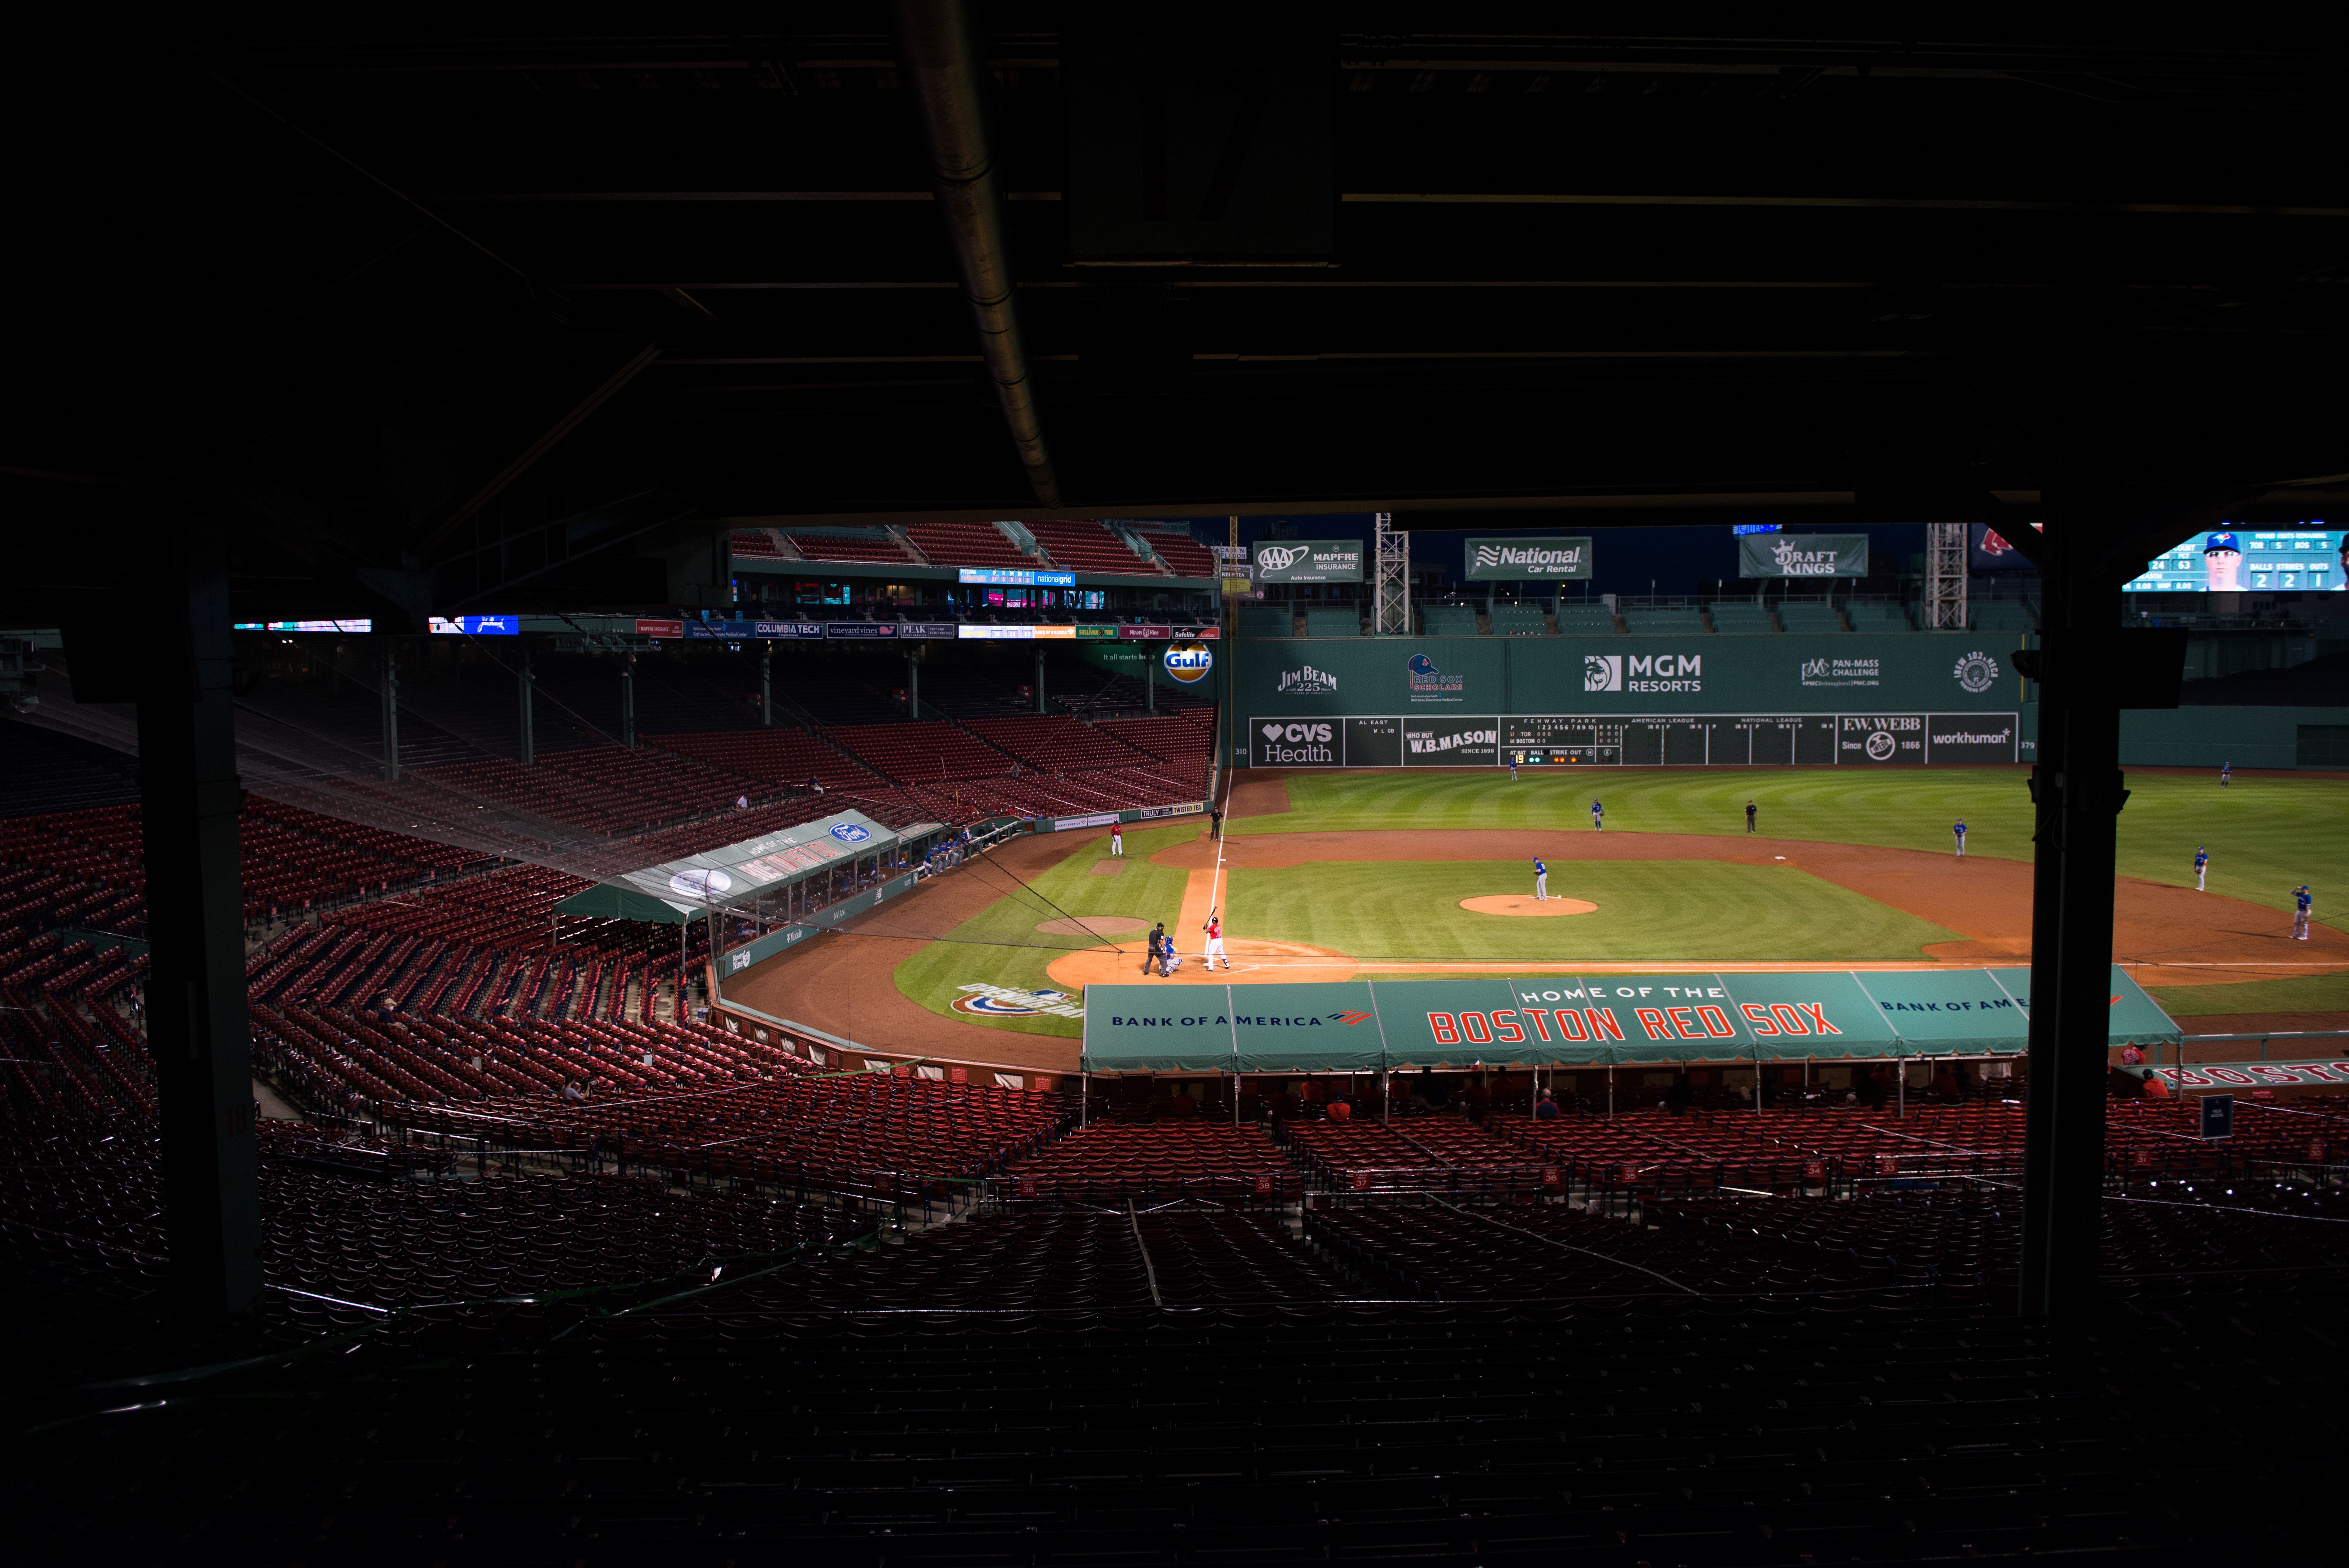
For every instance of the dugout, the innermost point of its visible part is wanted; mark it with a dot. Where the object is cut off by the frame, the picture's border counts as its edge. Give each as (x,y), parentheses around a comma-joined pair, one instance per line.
(1662,1022)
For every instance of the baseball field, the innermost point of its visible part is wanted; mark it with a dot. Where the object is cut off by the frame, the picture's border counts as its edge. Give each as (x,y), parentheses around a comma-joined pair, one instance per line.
(1323,875)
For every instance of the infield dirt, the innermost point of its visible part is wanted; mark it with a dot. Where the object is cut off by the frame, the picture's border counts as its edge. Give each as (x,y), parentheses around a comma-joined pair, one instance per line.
(844,983)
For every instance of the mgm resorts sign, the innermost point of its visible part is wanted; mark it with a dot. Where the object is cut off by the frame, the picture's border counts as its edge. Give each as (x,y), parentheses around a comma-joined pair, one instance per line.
(1309,561)
(1518,558)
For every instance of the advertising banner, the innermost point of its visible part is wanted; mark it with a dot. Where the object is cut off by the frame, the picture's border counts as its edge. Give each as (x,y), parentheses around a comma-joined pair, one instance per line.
(1802,555)
(1780,686)
(739,872)
(1518,558)
(1015,577)
(1451,742)
(1773,1015)
(1309,561)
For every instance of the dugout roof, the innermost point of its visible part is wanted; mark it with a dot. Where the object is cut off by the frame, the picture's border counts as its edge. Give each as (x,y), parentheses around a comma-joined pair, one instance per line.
(677,891)
(1680,1016)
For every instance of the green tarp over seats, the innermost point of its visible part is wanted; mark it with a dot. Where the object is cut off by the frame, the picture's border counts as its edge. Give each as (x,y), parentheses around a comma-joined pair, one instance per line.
(609,902)
(1680,1016)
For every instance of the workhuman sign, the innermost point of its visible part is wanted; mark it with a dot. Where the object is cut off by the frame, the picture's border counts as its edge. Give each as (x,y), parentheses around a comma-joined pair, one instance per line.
(1582,1020)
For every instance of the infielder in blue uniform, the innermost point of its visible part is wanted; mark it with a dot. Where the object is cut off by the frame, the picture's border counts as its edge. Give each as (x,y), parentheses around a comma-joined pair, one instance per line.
(1960,831)
(1598,817)
(1541,882)
(2202,865)
(2302,899)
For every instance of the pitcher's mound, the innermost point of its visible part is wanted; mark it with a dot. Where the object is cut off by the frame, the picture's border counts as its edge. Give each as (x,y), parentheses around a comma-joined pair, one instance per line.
(1093,926)
(1514,904)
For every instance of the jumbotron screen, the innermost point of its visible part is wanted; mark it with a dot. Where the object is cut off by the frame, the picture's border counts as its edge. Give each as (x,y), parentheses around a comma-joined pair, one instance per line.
(2291,560)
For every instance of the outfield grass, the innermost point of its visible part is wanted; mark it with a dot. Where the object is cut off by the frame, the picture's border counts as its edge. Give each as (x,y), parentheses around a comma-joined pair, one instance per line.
(1681,911)
(2265,834)
(1001,945)
(2313,993)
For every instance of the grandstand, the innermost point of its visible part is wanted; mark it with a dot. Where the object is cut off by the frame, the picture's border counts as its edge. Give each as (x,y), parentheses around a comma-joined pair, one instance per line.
(1520,620)
(1585,620)
(592,726)
(1740,618)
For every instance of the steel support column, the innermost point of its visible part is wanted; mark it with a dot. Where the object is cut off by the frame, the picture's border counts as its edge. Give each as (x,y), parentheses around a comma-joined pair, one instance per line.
(197,1030)
(913,686)
(2077,789)
(390,713)
(1390,606)
(628,700)
(1946,569)
(1039,681)
(767,685)
(522,684)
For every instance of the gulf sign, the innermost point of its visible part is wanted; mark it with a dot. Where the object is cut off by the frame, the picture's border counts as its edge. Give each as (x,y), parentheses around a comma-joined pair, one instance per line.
(1188,663)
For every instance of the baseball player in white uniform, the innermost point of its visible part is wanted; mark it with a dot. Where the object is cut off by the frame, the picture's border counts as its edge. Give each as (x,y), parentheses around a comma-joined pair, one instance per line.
(1214,930)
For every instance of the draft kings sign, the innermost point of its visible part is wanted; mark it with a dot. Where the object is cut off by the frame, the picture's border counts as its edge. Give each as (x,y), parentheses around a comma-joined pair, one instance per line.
(1677,1016)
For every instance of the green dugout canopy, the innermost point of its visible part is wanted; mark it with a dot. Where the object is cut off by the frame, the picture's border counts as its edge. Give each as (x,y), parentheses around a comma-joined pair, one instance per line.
(677,890)
(1580,1020)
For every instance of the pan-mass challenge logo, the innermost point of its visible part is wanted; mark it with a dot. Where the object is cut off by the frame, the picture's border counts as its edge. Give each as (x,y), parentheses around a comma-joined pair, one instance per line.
(1643,673)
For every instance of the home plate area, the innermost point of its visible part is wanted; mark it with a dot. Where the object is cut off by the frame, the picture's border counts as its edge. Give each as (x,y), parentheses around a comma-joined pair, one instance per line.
(1527,904)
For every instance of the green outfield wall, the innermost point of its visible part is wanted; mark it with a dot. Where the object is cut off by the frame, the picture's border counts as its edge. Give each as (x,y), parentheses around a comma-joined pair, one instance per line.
(1695,701)
(2247,737)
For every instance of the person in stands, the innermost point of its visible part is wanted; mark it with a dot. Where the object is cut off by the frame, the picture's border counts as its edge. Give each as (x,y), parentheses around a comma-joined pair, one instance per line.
(1338,1110)
(1544,1108)
(1945,1083)
(2131,1056)
(1869,1089)
(2156,1088)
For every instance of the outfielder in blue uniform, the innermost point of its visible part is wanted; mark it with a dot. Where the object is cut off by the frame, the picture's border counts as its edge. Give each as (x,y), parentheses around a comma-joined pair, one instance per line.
(2202,865)
(1541,882)
(1598,817)
(1960,831)
(2302,899)
(2226,771)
